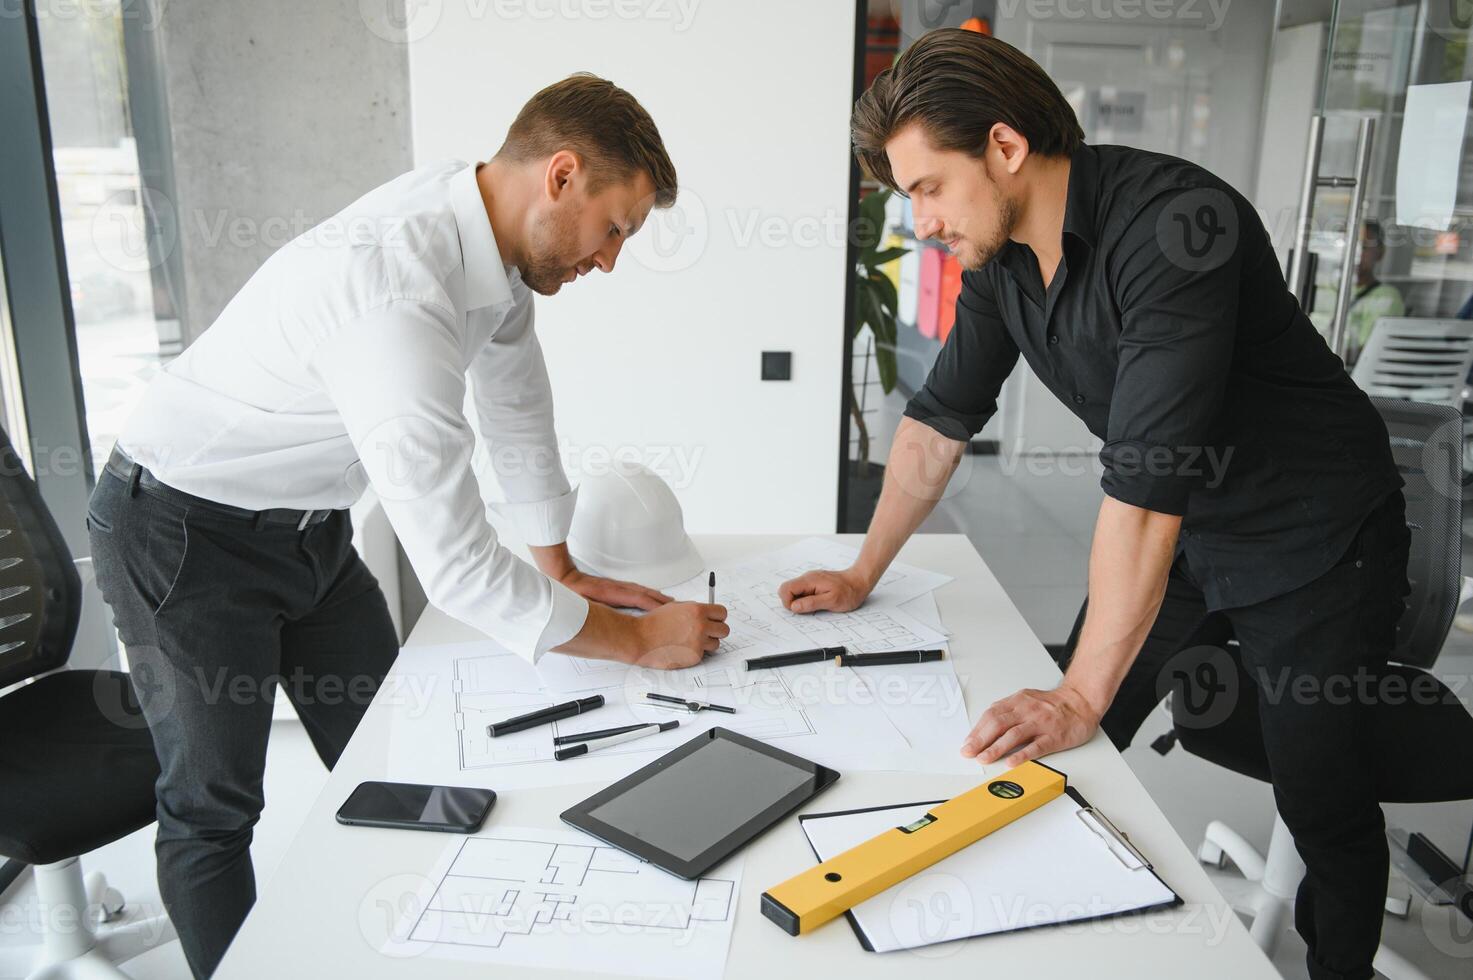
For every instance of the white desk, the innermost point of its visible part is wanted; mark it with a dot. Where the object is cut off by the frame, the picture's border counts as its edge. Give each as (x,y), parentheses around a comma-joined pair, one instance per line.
(328,908)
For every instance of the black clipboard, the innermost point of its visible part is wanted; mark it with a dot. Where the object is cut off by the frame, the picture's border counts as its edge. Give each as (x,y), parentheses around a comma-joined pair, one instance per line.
(1111,837)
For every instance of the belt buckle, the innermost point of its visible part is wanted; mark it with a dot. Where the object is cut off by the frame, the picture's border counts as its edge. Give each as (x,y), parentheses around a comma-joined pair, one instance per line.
(306,519)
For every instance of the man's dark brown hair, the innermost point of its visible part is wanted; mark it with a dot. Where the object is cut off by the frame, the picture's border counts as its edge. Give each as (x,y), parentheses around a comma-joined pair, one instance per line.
(958,84)
(596,119)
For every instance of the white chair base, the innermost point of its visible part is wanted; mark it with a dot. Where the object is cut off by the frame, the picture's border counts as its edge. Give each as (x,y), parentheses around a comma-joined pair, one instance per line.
(85,932)
(1270,903)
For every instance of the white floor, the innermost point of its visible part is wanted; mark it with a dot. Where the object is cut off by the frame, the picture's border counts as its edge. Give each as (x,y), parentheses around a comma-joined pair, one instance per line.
(1033,525)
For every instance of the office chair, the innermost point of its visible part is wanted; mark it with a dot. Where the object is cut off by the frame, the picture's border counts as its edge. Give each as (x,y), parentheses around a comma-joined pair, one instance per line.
(1421,360)
(1426,442)
(77,764)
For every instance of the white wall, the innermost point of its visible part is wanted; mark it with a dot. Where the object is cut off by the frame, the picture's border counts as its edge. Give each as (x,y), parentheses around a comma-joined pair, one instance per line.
(662,357)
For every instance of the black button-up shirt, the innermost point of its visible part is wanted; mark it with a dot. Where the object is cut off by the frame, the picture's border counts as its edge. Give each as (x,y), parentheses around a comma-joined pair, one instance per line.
(1168,329)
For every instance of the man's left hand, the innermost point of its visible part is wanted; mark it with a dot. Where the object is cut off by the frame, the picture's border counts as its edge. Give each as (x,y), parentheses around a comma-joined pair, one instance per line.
(1030,724)
(612,592)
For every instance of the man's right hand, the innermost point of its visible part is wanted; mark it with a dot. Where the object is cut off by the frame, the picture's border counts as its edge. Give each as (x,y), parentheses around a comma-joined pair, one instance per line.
(678,634)
(838,591)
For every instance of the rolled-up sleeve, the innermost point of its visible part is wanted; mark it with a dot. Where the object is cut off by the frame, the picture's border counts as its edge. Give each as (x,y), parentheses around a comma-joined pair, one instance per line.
(513,399)
(395,376)
(1176,279)
(960,393)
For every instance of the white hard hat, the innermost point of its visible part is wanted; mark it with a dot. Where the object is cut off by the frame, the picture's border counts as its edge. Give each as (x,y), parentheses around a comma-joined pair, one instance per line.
(628,525)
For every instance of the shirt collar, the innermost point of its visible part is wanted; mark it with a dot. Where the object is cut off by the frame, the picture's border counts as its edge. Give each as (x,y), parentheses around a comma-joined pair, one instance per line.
(1083,196)
(487,282)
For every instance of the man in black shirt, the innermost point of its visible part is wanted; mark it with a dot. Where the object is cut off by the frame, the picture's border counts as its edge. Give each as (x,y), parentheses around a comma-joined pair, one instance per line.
(1249,483)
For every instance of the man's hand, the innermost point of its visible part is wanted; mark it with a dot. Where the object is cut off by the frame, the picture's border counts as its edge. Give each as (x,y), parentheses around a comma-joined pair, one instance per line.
(824,590)
(679,634)
(612,592)
(1032,723)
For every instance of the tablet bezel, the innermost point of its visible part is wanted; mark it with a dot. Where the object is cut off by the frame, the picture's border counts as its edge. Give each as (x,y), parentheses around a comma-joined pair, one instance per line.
(580,814)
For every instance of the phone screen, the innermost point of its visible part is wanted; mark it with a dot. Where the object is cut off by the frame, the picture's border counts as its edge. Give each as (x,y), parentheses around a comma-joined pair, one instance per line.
(410,805)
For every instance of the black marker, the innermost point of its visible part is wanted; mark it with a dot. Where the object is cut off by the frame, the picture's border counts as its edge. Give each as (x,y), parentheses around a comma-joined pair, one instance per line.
(896,657)
(800,657)
(544,715)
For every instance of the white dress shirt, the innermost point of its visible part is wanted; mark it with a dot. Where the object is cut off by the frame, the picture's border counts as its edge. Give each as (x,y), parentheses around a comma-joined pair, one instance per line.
(343,362)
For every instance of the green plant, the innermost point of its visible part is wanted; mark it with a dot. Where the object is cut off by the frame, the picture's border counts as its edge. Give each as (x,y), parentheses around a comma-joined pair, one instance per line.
(875,304)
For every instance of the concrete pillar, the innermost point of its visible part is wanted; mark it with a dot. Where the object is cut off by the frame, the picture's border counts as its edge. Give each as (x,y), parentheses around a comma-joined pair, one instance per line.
(277,113)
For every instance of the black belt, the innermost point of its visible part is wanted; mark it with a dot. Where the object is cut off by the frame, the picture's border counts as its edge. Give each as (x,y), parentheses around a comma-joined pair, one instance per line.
(122,466)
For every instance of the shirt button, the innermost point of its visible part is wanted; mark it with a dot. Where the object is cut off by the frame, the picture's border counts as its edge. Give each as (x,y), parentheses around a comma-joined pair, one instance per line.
(1078,399)
(1053,339)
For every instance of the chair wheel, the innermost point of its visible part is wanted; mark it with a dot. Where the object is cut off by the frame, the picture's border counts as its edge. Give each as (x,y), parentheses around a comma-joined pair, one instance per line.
(1210,853)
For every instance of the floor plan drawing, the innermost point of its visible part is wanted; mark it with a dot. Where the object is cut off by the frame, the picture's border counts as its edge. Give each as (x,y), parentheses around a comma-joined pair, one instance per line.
(552,898)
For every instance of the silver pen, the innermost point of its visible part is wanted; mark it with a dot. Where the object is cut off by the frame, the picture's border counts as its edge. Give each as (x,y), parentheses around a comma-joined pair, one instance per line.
(583,748)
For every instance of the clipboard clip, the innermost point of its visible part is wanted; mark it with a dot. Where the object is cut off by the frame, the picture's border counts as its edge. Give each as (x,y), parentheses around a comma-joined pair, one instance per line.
(1115,839)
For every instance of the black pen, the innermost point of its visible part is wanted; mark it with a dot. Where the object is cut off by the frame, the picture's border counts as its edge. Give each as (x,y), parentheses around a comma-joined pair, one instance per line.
(895,657)
(799,657)
(582,748)
(689,705)
(544,715)
(600,733)
(711,589)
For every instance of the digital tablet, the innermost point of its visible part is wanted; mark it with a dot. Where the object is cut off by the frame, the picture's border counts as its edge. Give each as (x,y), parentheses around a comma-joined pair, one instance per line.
(694,807)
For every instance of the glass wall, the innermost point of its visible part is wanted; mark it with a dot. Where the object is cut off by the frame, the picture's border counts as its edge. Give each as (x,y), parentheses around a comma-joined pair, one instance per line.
(119,342)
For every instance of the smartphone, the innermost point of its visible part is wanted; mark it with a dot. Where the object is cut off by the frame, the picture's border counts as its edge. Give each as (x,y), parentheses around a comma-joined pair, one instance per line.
(409,806)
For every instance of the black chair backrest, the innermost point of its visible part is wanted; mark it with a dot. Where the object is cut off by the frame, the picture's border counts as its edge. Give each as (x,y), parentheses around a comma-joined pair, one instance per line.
(40,591)
(1427,443)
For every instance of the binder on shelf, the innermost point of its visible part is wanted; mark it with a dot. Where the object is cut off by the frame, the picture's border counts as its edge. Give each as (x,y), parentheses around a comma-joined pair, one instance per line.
(908,302)
(951,289)
(928,302)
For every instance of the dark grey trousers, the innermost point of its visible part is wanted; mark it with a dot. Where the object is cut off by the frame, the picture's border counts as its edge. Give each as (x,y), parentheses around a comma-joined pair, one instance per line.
(217,611)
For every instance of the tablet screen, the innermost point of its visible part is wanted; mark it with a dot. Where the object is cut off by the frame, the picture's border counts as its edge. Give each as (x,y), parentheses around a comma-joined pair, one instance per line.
(702,798)
(693,807)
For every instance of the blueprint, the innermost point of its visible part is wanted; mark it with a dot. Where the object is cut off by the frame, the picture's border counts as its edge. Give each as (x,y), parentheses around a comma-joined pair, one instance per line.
(818,711)
(557,899)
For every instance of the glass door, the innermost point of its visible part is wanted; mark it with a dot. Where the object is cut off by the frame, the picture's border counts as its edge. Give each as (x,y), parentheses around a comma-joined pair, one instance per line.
(1388,190)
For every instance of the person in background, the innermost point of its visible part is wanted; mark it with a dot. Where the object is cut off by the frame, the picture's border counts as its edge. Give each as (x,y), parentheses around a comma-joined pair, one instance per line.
(220,527)
(1373,298)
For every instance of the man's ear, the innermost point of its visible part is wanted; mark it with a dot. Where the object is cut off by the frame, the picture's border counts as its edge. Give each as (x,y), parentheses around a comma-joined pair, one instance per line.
(1010,146)
(562,168)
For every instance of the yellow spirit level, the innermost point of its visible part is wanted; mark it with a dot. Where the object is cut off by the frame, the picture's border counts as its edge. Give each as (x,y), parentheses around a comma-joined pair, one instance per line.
(806,901)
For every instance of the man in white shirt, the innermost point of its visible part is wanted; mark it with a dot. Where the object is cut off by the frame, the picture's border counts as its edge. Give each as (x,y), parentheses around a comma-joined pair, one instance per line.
(220,531)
